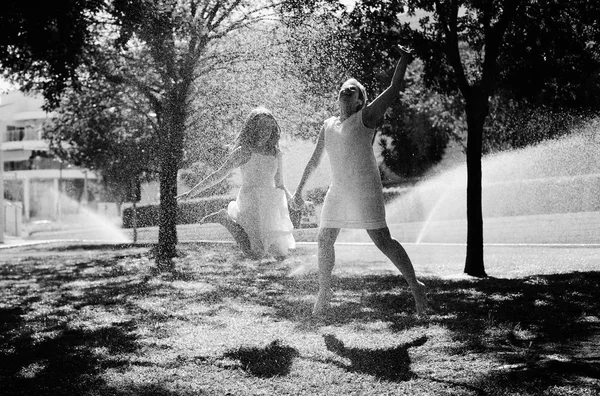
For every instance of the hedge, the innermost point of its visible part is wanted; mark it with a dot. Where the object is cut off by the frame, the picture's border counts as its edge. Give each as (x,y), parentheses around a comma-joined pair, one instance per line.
(191,212)
(317,195)
(188,212)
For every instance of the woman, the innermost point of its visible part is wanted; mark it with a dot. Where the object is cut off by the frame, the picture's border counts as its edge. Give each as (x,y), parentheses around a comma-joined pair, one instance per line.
(355,197)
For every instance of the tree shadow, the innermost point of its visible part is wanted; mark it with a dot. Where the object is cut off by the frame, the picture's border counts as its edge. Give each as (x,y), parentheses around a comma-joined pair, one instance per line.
(551,306)
(66,363)
(82,246)
(523,322)
(533,325)
(46,347)
(390,364)
(271,361)
(539,373)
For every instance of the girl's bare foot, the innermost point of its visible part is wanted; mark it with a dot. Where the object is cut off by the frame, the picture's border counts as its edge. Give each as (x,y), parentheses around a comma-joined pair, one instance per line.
(216,217)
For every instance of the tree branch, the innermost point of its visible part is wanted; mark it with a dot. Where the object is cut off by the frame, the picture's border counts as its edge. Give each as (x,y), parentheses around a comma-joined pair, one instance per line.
(493,41)
(450,27)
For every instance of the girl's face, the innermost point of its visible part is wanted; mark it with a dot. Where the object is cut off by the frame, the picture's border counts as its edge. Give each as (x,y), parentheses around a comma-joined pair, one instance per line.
(265,127)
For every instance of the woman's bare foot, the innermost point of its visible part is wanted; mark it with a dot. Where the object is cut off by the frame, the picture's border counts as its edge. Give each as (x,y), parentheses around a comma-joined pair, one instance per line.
(216,217)
(420,295)
(323,299)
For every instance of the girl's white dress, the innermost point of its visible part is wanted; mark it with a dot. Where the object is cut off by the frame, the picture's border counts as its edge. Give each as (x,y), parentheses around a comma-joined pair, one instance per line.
(261,208)
(355,196)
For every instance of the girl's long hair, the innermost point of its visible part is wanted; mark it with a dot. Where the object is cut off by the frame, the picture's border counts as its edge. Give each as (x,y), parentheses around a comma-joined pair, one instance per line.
(247,137)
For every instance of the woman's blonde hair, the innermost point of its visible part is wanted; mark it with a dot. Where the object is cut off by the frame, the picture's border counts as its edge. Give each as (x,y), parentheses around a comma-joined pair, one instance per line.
(248,136)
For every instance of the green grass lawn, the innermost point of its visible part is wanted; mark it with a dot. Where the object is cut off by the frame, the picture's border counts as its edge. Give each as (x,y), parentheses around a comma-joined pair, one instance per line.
(97,320)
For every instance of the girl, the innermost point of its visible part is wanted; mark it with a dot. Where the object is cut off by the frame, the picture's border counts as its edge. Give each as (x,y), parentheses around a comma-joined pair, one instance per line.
(258,219)
(355,197)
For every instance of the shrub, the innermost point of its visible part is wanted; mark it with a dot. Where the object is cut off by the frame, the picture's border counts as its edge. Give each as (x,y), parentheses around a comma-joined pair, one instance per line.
(317,195)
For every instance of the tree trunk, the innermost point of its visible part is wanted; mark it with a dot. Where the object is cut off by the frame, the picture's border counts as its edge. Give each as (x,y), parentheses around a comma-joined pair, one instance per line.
(477,110)
(171,151)
(167,230)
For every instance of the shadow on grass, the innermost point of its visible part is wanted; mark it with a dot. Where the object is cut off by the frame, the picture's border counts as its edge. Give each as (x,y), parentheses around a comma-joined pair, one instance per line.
(540,329)
(90,247)
(484,314)
(550,306)
(271,361)
(62,361)
(48,346)
(391,364)
(543,330)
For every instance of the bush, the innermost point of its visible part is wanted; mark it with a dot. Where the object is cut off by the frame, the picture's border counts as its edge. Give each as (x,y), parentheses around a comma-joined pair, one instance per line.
(188,212)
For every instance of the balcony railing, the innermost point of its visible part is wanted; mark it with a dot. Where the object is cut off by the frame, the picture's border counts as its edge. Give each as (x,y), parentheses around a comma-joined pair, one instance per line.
(20,133)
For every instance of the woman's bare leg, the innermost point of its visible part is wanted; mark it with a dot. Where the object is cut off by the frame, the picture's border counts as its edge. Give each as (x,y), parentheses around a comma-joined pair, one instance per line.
(396,253)
(326,258)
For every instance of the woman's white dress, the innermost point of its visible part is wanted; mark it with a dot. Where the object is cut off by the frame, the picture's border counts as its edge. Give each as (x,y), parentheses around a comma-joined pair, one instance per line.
(261,208)
(355,196)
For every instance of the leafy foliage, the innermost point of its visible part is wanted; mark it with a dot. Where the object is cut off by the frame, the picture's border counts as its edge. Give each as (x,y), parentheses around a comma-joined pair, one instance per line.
(100,127)
(42,44)
(516,124)
(409,144)
(552,54)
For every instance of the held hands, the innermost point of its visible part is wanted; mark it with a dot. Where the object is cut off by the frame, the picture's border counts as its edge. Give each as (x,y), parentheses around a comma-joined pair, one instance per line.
(296,203)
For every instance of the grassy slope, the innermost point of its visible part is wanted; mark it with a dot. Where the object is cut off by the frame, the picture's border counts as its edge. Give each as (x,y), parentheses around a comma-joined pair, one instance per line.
(95,320)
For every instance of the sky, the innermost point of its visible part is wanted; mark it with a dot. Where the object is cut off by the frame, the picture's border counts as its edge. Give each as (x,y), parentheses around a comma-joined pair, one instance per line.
(348,3)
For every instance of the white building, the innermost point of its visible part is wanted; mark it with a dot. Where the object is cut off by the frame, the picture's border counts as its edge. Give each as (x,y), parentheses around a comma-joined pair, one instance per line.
(32,177)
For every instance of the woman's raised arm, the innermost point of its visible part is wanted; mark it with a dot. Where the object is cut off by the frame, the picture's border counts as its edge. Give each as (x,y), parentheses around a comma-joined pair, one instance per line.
(374,111)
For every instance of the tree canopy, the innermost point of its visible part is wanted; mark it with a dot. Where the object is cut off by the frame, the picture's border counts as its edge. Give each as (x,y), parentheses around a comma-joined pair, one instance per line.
(42,44)
(107,129)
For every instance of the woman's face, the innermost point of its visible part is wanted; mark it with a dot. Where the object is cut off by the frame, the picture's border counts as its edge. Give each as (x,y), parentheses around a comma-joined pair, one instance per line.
(350,96)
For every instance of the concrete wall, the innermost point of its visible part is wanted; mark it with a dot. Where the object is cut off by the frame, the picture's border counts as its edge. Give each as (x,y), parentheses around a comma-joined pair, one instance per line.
(13,218)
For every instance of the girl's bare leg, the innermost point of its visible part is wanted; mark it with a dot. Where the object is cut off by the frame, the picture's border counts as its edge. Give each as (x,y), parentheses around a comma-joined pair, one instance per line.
(326,258)
(396,253)
(236,231)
